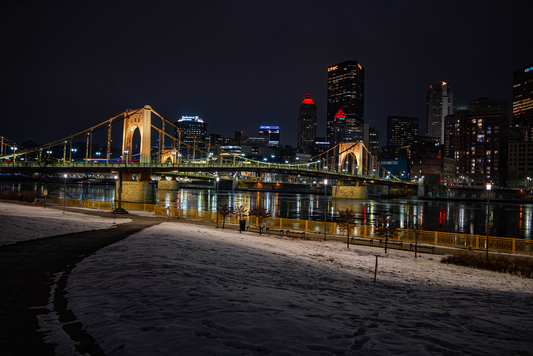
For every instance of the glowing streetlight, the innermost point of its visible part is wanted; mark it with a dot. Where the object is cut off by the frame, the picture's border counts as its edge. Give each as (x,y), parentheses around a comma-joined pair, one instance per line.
(489,188)
(217,202)
(325,205)
(65,193)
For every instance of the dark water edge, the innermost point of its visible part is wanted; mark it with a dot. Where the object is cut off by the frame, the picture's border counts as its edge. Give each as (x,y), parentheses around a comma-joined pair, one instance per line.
(507,219)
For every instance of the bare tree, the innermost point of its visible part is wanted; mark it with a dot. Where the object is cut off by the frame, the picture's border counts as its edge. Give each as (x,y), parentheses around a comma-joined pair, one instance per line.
(224,210)
(346,222)
(240,211)
(385,227)
(417,231)
(261,214)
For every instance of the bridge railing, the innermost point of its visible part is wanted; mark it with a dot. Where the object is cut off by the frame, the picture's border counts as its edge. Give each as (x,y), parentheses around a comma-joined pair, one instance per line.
(238,166)
(367,231)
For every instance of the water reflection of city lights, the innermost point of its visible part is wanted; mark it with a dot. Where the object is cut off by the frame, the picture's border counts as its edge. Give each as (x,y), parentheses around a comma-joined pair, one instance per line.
(511,220)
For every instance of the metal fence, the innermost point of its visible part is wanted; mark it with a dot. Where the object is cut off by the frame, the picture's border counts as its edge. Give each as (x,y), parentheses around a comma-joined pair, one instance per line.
(366,231)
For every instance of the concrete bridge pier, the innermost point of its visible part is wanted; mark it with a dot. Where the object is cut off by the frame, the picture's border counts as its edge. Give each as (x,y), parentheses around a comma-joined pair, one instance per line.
(341,191)
(422,188)
(234,183)
(138,191)
(164,184)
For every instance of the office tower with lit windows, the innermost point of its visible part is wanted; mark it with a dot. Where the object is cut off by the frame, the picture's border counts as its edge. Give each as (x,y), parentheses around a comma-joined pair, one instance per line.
(346,92)
(401,130)
(344,132)
(523,97)
(195,126)
(307,120)
(439,103)
(273,134)
(371,139)
(476,139)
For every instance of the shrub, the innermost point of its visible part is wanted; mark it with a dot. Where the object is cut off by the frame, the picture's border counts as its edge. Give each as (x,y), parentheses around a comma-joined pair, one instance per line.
(385,228)
(522,267)
(27,195)
(9,195)
(261,214)
(346,222)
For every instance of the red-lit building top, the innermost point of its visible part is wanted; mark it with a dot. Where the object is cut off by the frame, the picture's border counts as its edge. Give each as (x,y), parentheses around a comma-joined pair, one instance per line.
(308,100)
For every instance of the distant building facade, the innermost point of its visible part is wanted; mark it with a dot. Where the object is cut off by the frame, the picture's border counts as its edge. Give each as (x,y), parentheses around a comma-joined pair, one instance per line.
(477,139)
(371,139)
(217,140)
(520,165)
(439,104)
(307,121)
(523,96)
(401,130)
(194,125)
(272,132)
(320,146)
(396,167)
(346,92)
(342,131)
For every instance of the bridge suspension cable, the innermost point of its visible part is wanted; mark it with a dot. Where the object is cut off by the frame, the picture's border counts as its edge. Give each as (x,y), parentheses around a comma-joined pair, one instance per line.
(190,149)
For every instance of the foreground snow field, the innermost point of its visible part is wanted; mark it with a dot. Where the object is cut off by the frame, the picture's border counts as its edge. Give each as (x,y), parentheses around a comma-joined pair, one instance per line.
(190,290)
(26,222)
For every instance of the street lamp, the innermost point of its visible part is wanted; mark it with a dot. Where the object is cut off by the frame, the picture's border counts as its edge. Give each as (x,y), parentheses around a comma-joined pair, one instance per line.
(489,187)
(325,205)
(217,203)
(64,193)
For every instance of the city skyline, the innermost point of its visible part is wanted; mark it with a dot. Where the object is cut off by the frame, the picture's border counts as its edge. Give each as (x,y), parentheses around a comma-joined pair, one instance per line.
(68,68)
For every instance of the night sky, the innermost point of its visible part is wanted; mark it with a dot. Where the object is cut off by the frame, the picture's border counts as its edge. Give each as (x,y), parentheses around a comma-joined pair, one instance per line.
(67,66)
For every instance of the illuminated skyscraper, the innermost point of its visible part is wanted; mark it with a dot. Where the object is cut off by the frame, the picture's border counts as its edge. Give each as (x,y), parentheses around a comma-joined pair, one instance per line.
(346,92)
(194,125)
(439,103)
(477,141)
(401,130)
(523,96)
(307,125)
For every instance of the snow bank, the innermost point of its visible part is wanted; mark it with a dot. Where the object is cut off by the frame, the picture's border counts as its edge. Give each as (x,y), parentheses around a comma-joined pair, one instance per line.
(26,222)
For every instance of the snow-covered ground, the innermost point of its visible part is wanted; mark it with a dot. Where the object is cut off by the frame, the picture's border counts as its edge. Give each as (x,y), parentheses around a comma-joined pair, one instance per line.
(192,290)
(27,222)
(185,289)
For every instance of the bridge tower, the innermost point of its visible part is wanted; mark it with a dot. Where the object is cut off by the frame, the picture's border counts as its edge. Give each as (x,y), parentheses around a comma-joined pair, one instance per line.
(351,192)
(348,149)
(139,191)
(142,120)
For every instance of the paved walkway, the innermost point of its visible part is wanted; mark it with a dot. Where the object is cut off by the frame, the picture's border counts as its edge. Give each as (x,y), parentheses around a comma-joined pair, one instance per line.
(26,275)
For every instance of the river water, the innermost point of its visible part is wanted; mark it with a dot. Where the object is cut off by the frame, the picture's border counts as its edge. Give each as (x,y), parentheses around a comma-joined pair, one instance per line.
(506,219)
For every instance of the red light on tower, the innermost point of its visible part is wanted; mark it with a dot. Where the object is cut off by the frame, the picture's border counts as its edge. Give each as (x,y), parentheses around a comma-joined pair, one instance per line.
(308,100)
(340,115)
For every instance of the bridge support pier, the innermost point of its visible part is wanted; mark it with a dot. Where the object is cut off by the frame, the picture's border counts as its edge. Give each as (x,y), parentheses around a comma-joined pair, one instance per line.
(234,183)
(422,188)
(164,184)
(341,191)
(139,191)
